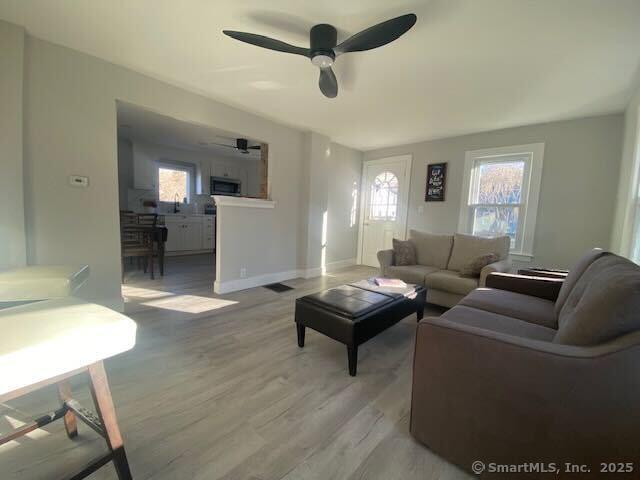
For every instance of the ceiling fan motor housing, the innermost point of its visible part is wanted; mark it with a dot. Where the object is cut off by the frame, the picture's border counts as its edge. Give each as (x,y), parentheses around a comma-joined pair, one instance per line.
(242,145)
(323,38)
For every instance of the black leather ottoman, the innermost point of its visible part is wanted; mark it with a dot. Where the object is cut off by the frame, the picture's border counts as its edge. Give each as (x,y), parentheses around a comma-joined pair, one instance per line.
(353,314)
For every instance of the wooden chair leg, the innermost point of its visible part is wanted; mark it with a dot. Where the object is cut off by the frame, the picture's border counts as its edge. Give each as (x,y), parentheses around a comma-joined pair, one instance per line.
(151,266)
(70,423)
(101,394)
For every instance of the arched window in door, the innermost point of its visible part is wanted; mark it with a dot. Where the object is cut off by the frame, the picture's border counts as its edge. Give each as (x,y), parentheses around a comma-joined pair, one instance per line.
(383,204)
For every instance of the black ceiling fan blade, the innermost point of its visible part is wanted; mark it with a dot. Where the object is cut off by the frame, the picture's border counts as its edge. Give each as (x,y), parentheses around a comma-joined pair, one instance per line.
(328,83)
(222,145)
(266,42)
(378,35)
(255,147)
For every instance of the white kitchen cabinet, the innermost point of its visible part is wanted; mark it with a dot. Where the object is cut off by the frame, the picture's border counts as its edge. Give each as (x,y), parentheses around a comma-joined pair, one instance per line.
(144,170)
(203,173)
(193,235)
(189,233)
(209,233)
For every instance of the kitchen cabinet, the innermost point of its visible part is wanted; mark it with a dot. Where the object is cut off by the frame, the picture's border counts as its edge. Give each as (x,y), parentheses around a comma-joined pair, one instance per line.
(190,233)
(144,170)
(209,233)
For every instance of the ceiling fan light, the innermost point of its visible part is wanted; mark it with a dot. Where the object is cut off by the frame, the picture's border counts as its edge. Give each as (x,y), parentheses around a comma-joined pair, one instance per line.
(322,61)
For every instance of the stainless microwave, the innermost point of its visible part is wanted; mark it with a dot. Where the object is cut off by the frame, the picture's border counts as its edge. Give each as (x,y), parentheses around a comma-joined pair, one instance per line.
(225,186)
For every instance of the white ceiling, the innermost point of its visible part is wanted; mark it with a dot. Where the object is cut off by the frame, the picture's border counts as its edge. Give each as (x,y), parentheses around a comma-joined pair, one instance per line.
(135,123)
(466,66)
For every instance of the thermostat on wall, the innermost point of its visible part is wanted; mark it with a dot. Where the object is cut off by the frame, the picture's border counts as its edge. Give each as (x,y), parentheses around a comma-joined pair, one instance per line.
(78,181)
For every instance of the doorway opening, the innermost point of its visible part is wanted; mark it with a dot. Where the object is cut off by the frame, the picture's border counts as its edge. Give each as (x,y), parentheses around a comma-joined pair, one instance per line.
(168,172)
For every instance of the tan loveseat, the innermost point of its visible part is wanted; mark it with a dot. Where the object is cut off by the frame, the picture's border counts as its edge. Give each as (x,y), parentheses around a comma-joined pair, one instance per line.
(440,258)
(535,370)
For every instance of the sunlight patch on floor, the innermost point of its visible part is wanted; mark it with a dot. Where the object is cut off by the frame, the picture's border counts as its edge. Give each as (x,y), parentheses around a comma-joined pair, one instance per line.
(137,292)
(189,303)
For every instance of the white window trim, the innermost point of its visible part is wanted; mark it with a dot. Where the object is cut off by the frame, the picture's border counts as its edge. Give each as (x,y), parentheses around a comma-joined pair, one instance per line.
(536,150)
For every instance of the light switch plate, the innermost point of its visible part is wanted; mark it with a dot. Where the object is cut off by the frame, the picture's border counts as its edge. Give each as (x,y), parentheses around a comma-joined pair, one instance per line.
(78,181)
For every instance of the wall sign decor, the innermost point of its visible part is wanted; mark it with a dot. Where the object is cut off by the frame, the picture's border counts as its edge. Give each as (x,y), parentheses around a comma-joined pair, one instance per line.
(436,181)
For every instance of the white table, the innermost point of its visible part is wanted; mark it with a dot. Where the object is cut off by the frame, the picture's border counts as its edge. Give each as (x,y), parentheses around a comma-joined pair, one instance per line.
(47,342)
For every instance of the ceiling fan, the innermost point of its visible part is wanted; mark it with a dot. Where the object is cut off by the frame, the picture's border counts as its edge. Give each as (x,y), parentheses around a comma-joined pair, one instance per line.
(324,48)
(242,144)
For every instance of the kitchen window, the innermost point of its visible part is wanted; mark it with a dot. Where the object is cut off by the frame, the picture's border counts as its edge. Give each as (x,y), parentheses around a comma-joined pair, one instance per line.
(174,184)
(500,194)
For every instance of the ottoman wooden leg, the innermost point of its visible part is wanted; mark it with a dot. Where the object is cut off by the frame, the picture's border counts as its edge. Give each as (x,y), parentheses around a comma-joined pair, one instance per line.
(352,353)
(106,412)
(300,328)
(70,423)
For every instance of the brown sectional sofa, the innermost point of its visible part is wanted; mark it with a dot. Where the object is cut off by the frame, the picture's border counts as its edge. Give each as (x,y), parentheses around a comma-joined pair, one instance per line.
(440,258)
(535,369)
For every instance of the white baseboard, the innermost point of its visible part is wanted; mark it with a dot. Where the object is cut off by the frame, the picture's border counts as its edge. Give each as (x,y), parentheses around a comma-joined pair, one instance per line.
(267,278)
(257,281)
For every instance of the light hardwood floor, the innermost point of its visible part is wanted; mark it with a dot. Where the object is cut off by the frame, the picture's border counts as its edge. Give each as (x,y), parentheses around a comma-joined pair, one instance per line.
(217,388)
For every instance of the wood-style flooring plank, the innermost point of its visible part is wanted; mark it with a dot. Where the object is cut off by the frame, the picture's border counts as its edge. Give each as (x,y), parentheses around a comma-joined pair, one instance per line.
(217,388)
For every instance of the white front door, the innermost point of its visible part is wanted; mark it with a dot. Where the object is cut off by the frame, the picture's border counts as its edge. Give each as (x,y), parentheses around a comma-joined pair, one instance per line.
(385,196)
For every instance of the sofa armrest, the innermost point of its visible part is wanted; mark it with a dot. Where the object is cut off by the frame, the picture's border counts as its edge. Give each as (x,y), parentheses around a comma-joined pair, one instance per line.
(471,384)
(542,287)
(501,266)
(386,259)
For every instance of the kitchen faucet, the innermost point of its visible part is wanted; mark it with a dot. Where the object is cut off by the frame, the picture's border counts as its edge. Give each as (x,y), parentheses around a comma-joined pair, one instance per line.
(176,204)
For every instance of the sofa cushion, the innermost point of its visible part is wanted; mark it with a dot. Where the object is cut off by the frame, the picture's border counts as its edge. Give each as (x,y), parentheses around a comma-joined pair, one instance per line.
(523,307)
(450,281)
(404,252)
(475,266)
(495,322)
(410,273)
(431,250)
(466,248)
(603,304)
(574,275)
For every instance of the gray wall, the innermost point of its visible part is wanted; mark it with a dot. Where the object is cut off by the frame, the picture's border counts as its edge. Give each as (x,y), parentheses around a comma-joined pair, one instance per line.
(330,175)
(12,229)
(125,171)
(70,128)
(343,204)
(578,191)
(622,236)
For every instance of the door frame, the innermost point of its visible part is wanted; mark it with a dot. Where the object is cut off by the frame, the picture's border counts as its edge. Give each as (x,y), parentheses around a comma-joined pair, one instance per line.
(407,158)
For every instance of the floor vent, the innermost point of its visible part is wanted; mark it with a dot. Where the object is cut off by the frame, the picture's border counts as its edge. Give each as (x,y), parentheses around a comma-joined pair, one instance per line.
(278,287)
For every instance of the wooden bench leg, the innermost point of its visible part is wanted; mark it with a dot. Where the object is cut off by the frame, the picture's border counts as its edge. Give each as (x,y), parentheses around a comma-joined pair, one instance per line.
(104,408)
(352,353)
(70,423)
(300,329)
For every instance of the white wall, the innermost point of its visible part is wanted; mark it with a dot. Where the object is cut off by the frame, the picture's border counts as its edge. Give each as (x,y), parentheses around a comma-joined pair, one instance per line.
(125,171)
(343,205)
(70,128)
(329,234)
(621,238)
(12,229)
(578,191)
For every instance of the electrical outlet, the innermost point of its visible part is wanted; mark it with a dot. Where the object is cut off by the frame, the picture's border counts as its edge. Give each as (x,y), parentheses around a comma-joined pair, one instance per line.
(243,273)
